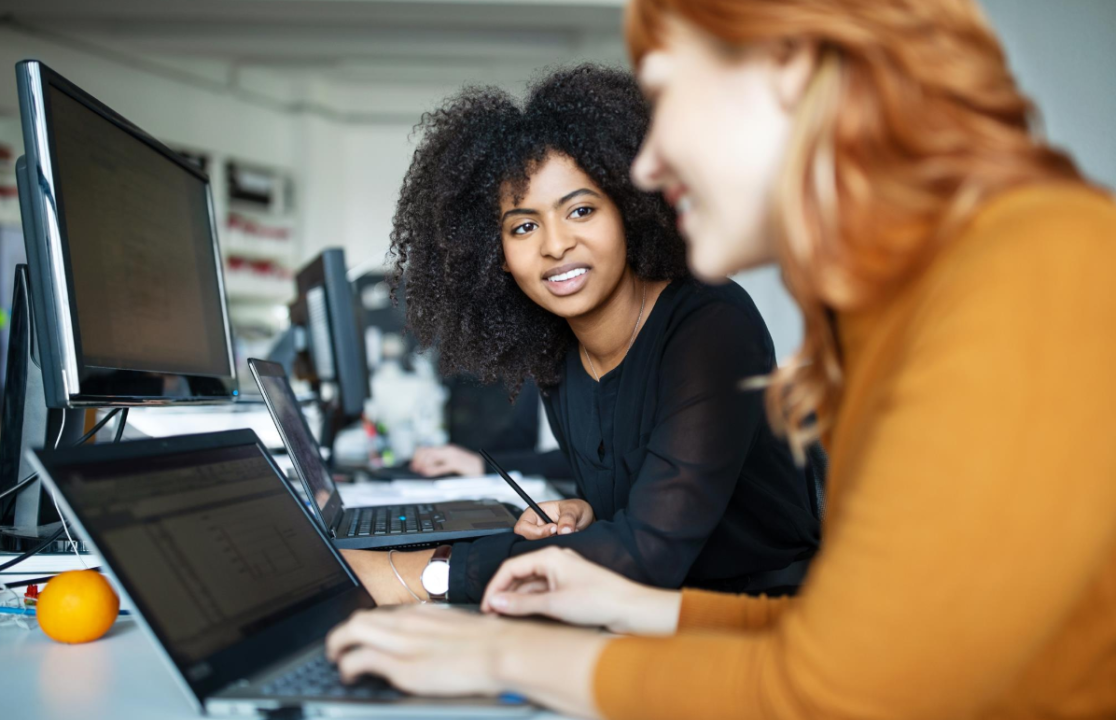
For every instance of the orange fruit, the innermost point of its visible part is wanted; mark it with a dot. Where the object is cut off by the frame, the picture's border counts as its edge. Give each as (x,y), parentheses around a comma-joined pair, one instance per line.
(77,606)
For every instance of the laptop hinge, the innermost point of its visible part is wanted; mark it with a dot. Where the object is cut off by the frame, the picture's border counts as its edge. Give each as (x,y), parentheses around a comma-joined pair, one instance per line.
(338,519)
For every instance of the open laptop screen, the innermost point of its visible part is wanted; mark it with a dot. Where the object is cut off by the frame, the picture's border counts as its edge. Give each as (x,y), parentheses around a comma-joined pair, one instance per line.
(210,544)
(301,446)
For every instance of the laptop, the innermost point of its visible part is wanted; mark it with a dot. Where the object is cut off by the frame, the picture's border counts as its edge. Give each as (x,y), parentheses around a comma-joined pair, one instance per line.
(229,575)
(376,526)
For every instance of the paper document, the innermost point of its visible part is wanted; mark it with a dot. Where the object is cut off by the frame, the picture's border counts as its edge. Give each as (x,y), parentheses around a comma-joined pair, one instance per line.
(430,491)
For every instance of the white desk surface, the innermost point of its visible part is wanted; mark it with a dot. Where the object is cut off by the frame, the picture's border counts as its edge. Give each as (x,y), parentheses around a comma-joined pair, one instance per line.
(119,677)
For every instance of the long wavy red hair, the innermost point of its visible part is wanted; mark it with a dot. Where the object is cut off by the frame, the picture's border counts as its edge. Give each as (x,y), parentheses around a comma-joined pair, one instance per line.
(910,123)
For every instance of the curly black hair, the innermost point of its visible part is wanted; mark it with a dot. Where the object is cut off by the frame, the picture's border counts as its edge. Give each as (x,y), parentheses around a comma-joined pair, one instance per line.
(446,237)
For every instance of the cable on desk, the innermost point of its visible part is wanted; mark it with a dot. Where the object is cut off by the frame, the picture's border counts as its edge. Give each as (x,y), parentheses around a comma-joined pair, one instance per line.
(37,548)
(119,434)
(38,580)
(66,529)
(31,478)
(91,433)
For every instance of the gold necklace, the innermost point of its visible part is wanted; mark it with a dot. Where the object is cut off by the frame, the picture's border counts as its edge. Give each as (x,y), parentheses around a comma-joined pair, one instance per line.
(631,341)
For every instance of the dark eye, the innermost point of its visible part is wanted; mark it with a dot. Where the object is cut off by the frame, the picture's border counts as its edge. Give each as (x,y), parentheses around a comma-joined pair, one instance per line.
(524,228)
(583,211)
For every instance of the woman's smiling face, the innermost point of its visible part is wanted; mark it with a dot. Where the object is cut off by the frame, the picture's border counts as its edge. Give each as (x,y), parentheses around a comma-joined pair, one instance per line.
(564,240)
(721,124)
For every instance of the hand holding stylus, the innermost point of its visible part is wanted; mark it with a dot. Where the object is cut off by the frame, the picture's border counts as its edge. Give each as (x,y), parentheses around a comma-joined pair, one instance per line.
(535,522)
(572,516)
(515,486)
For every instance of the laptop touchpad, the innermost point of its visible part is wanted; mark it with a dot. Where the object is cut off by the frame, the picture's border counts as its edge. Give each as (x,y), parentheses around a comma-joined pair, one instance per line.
(480,518)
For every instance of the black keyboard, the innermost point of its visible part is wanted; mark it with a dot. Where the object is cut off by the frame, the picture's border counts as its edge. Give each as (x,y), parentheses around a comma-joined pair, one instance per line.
(395,520)
(319,678)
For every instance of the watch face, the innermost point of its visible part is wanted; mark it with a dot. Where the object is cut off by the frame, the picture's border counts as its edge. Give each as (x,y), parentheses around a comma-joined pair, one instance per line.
(435,578)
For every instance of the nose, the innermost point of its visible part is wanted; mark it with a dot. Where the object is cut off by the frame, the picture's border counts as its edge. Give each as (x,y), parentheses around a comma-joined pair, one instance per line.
(557,241)
(647,169)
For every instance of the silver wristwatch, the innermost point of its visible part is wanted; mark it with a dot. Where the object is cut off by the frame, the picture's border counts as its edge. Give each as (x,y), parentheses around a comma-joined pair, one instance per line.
(435,577)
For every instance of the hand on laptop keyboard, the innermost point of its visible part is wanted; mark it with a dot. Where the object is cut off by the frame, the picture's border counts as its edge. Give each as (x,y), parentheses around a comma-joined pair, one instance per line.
(320,678)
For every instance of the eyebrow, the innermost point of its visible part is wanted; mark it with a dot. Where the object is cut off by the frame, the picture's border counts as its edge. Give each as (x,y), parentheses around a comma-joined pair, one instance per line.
(561,201)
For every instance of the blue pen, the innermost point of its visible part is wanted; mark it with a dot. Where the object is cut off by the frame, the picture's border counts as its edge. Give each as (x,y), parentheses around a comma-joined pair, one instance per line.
(31,611)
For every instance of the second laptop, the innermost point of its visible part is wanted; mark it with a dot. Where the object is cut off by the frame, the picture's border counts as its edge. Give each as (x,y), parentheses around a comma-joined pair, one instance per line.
(380,526)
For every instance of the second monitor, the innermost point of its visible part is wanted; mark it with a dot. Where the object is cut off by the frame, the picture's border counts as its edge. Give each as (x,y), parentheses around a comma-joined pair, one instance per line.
(334,361)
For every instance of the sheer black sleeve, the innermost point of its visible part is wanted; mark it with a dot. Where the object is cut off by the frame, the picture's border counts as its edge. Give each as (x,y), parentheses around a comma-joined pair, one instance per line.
(705,428)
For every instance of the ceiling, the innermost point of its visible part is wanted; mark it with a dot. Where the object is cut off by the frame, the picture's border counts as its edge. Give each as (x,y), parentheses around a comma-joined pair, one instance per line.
(336,52)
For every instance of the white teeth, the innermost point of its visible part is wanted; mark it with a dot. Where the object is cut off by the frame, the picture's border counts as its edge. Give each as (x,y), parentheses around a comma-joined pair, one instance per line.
(568,276)
(683,205)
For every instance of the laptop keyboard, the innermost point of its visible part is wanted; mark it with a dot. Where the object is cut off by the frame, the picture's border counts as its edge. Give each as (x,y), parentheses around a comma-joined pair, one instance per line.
(319,678)
(395,520)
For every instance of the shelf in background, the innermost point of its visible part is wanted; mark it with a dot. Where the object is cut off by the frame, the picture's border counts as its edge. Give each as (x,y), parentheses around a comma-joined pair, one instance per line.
(245,285)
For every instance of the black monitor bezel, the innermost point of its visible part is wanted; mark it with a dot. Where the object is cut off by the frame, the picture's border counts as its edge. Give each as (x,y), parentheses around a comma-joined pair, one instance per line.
(350,366)
(247,657)
(113,387)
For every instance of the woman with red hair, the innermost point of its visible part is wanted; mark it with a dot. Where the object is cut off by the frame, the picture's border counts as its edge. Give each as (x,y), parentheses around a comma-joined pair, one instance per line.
(959,364)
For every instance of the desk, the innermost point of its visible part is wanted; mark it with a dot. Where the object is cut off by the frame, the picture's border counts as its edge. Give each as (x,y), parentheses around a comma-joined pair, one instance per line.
(119,677)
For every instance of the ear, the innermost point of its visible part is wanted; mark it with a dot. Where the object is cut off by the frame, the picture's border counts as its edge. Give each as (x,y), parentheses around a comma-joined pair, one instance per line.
(795,62)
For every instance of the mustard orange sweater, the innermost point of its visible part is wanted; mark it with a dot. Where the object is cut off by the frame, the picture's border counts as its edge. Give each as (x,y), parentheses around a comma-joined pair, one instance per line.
(968,563)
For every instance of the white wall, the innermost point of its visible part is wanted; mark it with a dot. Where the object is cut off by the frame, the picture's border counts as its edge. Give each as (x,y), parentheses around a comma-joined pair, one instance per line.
(347,174)
(783,319)
(172,111)
(375,161)
(177,113)
(321,185)
(351,176)
(1063,53)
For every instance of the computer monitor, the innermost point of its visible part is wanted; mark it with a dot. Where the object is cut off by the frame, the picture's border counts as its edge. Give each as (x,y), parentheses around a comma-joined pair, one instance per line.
(336,367)
(122,299)
(125,274)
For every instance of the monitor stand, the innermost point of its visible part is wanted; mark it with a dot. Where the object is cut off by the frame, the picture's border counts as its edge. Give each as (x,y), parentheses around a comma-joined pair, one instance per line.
(29,515)
(333,420)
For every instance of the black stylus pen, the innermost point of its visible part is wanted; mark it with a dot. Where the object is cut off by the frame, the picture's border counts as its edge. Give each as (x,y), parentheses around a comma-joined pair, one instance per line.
(515,486)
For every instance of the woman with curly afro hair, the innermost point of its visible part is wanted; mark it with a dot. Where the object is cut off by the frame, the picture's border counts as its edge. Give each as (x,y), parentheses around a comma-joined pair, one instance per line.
(528,254)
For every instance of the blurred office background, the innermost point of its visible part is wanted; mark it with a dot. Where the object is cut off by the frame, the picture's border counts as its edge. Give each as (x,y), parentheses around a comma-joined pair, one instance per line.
(301,111)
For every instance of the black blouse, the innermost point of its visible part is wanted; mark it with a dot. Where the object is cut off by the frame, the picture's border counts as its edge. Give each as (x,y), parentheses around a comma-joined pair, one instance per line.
(687,481)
